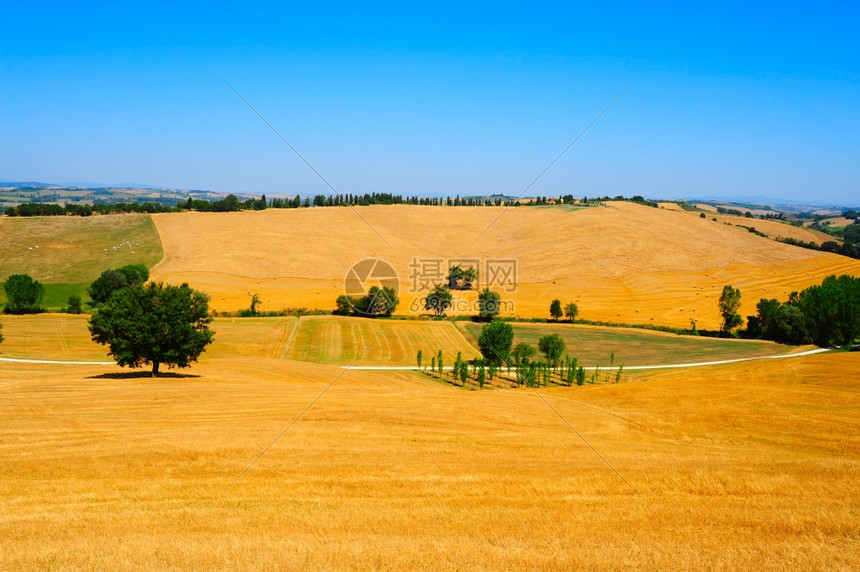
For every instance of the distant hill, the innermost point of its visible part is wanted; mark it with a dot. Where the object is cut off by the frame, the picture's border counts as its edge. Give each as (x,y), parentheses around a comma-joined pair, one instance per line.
(13,193)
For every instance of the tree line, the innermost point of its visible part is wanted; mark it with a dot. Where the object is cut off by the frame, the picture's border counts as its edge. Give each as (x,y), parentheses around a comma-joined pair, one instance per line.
(232,203)
(827,314)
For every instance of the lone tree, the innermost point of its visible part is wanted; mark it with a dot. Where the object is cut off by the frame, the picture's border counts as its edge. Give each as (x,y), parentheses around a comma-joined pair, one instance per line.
(495,341)
(23,294)
(74,306)
(555,310)
(552,347)
(439,300)
(154,324)
(730,302)
(571,311)
(488,304)
(1,333)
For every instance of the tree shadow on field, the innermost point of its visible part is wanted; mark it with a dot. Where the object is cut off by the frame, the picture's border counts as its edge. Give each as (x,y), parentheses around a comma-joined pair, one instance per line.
(142,375)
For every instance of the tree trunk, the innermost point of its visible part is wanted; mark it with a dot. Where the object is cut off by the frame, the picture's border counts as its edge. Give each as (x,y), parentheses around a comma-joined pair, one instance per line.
(155,369)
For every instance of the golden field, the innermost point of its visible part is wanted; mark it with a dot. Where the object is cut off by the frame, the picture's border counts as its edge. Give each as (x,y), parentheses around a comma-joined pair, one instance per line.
(267,454)
(623,263)
(341,341)
(750,466)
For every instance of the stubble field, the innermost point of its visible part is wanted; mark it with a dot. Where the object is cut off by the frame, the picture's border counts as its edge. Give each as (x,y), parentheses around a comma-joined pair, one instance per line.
(745,466)
(623,263)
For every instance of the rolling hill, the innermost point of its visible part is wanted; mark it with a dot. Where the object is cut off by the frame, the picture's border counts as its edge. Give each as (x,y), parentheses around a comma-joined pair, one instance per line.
(623,263)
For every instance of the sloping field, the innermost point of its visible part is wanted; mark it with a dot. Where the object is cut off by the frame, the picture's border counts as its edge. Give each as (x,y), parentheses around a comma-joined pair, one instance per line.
(625,263)
(62,337)
(61,249)
(733,467)
(596,345)
(340,340)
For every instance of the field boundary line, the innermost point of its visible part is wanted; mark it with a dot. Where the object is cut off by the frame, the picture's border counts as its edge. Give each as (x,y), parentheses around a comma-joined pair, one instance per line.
(463,337)
(631,367)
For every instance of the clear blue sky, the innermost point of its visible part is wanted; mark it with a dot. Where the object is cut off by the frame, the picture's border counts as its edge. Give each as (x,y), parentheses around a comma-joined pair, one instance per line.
(437,98)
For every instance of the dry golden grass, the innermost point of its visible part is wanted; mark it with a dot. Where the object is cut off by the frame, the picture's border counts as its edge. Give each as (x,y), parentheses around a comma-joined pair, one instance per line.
(734,467)
(838,222)
(626,263)
(62,337)
(339,340)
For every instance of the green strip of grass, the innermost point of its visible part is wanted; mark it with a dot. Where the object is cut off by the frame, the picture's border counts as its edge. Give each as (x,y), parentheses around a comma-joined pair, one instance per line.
(594,345)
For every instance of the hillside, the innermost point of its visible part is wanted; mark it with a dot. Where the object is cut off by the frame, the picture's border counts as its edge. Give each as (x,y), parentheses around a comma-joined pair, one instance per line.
(625,263)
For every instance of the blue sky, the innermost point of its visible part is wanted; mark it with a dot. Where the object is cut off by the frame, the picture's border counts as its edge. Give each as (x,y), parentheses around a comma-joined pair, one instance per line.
(440,99)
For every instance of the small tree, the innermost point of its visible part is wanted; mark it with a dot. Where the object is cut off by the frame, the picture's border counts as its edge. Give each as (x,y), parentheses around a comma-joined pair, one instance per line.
(464,372)
(552,347)
(418,357)
(482,377)
(522,353)
(154,324)
(255,301)
(439,362)
(23,294)
(555,310)
(74,306)
(488,304)
(1,333)
(439,300)
(433,364)
(730,302)
(571,311)
(495,341)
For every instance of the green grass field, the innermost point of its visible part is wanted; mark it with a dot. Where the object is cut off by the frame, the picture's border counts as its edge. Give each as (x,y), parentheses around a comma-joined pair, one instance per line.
(75,250)
(594,345)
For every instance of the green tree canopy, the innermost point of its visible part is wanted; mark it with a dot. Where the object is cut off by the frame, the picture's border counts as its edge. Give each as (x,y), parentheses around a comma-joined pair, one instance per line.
(552,347)
(571,311)
(832,310)
(23,294)
(461,278)
(730,302)
(74,306)
(488,304)
(378,302)
(112,280)
(154,324)
(495,341)
(439,300)
(523,352)
(555,310)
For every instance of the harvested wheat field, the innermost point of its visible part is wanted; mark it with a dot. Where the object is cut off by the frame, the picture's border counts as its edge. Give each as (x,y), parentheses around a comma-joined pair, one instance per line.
(745,466)
(343,341)
(624,263)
